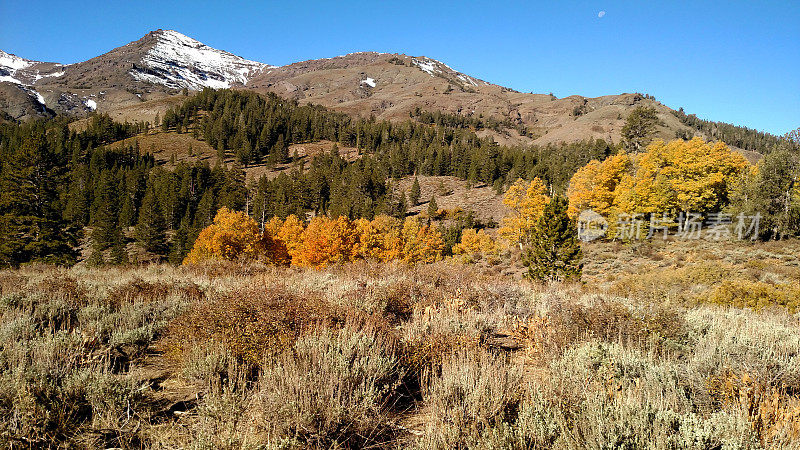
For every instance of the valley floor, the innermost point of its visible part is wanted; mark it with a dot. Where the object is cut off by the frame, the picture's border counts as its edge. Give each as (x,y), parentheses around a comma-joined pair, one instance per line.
(665,345)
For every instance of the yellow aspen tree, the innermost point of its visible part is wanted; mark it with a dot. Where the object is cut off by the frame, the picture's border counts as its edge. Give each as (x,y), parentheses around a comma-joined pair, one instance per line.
(291,234)
(274,247)
(526,201)
(344,240)
(366,238)
(594,185)
(232,235)
(475,243)
(421,243)
(681,176)
(380,238)
(328,241)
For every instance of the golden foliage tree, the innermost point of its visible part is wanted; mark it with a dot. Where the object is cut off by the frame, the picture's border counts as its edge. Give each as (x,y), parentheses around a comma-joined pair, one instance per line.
(274,245)
(421,243)
(291,234)
(594,185)
(680,176)
(328,241)
(232,235)
(380,238)
(475,243)
(323,242)
(526,201)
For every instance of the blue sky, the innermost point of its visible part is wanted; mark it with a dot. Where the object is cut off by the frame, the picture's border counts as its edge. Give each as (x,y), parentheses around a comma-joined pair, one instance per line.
(732,61)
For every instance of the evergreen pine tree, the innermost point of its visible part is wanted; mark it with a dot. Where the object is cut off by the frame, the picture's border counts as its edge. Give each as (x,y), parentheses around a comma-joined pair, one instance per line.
(554,252)
(31,224)
(414,193)
(104,215)
(119,254)
(220,153)
(433,208)
(402,205)
(180,244)
(206,209)
(127,190)
(151,228)
(95,257)
(279,153)
(233,192)
(770,194)
(78,196)
(639,127)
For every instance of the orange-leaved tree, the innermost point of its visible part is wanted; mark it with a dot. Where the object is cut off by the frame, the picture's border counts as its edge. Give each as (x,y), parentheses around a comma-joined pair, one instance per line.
(526,201)
(274,246)
(291,235)
(232,235)
(328,241)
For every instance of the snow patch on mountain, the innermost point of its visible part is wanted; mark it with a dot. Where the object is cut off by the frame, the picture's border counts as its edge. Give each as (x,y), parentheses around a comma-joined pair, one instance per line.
(13,61)
(91,104)
(39,97)
(434,68)
(467,79)
(10,64)
(9,79)
(178,61)
(369,82)
(427,65)
(48,75)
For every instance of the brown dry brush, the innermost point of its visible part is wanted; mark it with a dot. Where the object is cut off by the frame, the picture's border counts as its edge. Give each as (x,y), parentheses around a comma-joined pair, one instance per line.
(64,358)
(373,355)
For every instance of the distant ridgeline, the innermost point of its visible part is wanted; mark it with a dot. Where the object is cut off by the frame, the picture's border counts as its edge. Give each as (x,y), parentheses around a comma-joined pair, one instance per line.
(737,136)
(59,188)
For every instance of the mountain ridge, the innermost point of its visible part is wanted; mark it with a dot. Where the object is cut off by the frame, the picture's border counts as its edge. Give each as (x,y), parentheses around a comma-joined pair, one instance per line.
(384,85)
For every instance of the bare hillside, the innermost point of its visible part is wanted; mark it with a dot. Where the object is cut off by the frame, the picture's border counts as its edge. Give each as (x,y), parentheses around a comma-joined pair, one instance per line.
(125,81)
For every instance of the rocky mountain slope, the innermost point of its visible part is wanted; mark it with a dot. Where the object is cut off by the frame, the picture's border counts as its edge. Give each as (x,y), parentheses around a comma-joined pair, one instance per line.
(391,86)
(387,86)
(157,65)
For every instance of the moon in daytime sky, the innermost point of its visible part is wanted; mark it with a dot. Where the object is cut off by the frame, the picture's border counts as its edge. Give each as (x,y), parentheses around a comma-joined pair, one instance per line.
(601,14)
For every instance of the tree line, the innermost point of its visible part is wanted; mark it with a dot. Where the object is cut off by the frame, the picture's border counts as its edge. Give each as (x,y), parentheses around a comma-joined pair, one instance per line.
(67,192)
(738,136)
(259,128)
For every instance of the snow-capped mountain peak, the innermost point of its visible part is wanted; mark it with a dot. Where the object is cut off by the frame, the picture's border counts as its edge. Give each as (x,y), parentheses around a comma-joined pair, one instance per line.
(10,64)
(14,61)
(178,61)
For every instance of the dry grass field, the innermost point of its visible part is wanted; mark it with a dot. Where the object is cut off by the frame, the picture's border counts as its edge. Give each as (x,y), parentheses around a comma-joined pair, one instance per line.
(664,346)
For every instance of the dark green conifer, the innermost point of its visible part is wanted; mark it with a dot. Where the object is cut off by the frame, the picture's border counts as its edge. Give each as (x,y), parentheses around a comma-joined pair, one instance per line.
(179,246)
(554,253)
(639,127)
(119,254)
(414,193)
(433,208)
(151,228)
(31,223)
(104,214)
